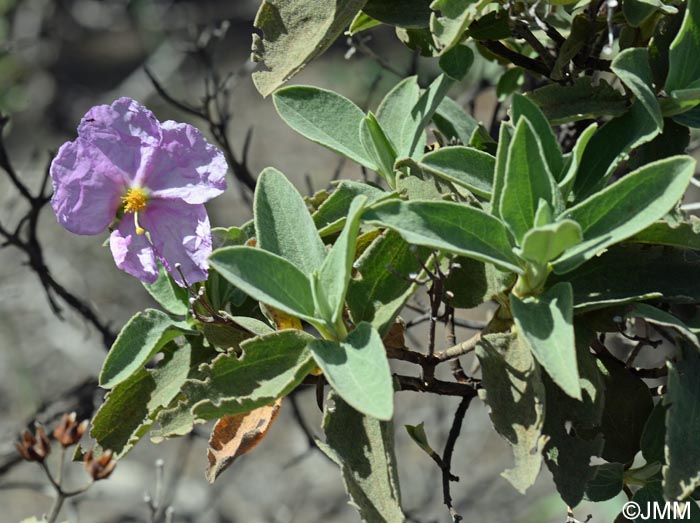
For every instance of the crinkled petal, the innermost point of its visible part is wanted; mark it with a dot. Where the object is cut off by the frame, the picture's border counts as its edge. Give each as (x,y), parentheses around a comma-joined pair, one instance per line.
(185,166)
(87,188)
(132,253)
(180,233)
(122,131)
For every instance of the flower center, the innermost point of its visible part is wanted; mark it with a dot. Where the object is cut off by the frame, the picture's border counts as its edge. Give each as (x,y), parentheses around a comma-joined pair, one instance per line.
(135,200)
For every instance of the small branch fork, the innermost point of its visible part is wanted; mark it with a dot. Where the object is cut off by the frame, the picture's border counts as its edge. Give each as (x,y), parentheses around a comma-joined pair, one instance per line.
(214,109)
(24,236)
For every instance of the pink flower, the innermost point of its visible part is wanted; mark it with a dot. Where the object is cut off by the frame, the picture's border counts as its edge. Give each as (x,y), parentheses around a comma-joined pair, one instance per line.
(154,177)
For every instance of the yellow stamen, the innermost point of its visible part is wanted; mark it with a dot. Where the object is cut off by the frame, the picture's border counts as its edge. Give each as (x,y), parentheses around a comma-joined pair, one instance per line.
(139,230)
(135,200)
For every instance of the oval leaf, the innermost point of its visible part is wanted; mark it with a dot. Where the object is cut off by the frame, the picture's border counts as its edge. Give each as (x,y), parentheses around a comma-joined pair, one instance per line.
(358,371)
(140,339)
(326,118)
(626,207)
(266,277)
(448,226)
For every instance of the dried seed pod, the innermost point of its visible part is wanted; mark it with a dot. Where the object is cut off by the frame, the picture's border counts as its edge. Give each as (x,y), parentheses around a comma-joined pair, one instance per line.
(69,431)
(102,467)
(34,447)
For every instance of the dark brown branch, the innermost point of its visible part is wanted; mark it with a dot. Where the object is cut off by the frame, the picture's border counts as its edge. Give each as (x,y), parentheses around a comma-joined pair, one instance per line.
(447,455)
(442,388)
(536,66)
(25,238)
(216,115)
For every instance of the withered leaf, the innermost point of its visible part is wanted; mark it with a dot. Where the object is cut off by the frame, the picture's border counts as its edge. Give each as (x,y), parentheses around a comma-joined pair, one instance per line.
(236,435)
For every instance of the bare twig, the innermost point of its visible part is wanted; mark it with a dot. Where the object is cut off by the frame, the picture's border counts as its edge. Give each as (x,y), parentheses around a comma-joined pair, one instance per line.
(25,237)
(447,455)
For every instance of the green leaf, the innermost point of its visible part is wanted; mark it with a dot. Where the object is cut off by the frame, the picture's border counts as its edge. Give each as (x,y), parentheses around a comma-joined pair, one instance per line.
(513,391)
(378,147)
(128,410)
(464,166)
(654,435)
(358,370)
(395,118)
(266,277)
(661,318)
(524,107)
(294,33)
(378,294)
(652,495)
(509,82)
(505,137)
(363,447)
(610,145)
(139,340)
(674,140)
(689,118)
(582,30)
(362,22)
(453,122)
(417,434)
(682,470)
(448,226)
(626,207)
(169,295)
(571,166)
(544,244)
(491,26)
(334,275)
(572,426)
(417,184)
(682,235)
(330,216)
(683,63)
(581,101)
(481,140)
(456,62)
(527,180)
(221,293)
(606,483)
(632,67)
(637,11)
(423,111)
(419,40)
(449,26)
(401,13)
(629,273)
(545,324)
(628,404)
(474,282)
(270,368)
(283,225)
(326,118)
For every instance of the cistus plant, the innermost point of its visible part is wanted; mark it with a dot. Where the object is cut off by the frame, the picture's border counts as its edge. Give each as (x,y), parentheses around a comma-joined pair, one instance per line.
(567,217)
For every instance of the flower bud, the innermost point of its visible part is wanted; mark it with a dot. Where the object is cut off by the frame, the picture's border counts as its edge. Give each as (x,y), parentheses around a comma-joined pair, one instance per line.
(102,467)
(34,447)
(69,431)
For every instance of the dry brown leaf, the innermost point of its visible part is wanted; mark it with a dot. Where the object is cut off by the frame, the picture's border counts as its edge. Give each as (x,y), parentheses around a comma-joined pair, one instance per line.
(394,339)
(282,320)
(233,436)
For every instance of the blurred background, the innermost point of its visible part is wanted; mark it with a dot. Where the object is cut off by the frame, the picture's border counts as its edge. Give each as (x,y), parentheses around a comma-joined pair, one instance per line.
(58,59)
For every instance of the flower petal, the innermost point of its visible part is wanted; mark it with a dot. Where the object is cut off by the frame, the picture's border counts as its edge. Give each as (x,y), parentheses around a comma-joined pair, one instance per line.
(185,166)
(87,188)
(121,131)
(180,233)
(132,253)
